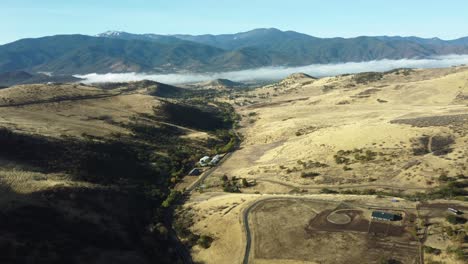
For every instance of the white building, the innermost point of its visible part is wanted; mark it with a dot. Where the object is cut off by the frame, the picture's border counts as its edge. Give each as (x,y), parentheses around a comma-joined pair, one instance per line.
(215,160)
(204,161)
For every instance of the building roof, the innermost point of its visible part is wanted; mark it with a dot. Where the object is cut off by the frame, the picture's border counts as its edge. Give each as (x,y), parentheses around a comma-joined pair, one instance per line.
(195,171)
(383,215)
(204,159)
(453,210)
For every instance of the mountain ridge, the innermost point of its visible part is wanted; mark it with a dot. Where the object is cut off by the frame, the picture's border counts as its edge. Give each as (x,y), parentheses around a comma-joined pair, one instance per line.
(118,51)
(116,33)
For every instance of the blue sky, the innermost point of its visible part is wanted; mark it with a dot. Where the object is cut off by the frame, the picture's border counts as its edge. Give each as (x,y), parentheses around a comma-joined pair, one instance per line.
(323,18)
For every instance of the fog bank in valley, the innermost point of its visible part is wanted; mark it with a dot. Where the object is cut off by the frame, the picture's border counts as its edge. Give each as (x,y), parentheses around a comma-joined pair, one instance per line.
(276,73)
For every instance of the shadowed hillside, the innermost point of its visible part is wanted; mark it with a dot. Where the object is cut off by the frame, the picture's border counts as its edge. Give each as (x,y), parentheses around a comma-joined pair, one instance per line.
(96,185)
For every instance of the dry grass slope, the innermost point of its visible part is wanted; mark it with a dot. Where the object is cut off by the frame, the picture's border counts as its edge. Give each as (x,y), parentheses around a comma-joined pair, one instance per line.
(401,130)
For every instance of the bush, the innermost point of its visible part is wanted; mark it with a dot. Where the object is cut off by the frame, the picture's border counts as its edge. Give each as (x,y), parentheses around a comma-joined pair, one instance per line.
(224,178)
(457,252)
(231,188)
(455,220)
(369,192)
(326,190)
(205,241)
(445,178)
(172,198)
(244,183)
(309,174)
(230,185)
(389,261)
(366,77)
(341,159)
(431,250)
(230,146)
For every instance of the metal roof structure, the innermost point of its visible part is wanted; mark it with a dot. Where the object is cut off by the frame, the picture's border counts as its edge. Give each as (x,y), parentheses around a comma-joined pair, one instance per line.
(384,216)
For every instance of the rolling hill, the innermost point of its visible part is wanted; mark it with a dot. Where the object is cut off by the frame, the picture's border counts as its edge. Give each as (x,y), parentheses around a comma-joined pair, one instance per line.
(217,84)
(91,169)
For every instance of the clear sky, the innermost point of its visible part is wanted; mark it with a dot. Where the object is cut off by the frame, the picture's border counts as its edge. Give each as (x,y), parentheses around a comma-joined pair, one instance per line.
(446,19)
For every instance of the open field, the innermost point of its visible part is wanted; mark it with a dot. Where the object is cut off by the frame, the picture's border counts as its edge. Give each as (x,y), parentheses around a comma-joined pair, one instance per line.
(280,234)
(291,229)
(305,229)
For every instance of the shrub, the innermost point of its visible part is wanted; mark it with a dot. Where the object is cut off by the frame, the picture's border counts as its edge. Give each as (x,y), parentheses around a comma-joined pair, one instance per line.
(385,260)
(172,198)
(445,178)
(326,190)
(431,250)
(457,252)
(341,159)
(366,77)
(245,183)
(204,241)
(309,174)
(230,185)
(455,220)
(369,192)
(230,146)
(231,188)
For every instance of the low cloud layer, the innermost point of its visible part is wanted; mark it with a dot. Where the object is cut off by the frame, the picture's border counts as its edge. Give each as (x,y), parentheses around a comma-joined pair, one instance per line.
(276,73)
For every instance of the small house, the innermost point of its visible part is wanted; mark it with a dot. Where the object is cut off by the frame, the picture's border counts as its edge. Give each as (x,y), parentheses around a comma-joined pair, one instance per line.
(205,160)
(195,172)
(377,215)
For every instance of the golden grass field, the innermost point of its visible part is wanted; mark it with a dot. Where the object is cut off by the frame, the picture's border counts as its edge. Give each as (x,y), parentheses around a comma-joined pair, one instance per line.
(302,123)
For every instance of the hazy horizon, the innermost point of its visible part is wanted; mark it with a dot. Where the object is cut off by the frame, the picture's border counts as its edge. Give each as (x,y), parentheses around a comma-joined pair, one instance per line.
(333,18)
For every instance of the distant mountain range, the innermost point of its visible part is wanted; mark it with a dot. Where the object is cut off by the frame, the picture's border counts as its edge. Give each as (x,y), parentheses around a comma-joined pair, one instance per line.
(115,51)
